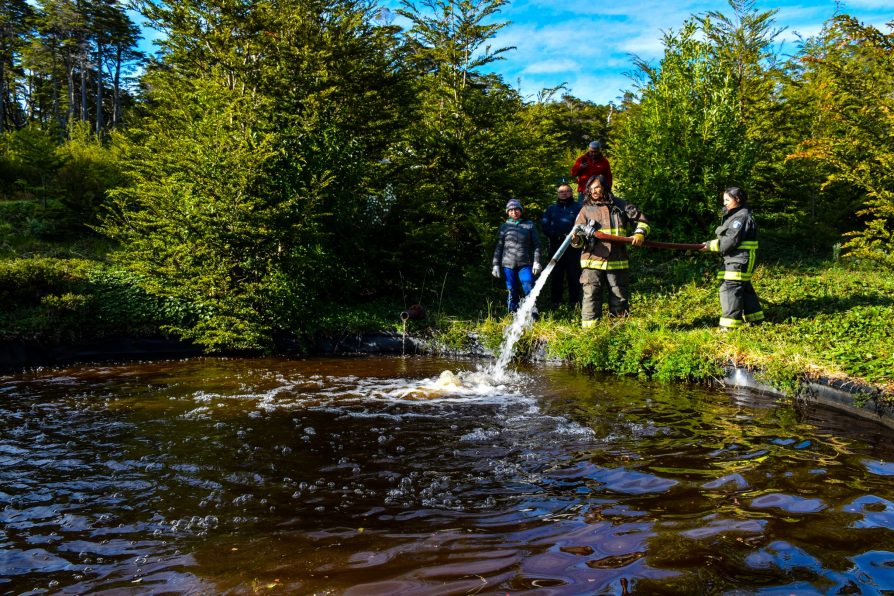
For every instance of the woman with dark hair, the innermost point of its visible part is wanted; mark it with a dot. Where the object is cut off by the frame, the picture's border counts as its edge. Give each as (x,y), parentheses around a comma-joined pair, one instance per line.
(737,243)
(604,264)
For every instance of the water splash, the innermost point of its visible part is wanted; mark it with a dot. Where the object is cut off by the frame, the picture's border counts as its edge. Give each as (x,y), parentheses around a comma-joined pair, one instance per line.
(524,318)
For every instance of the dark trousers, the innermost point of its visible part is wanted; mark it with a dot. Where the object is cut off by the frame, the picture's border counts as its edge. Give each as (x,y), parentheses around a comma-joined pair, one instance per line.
(739,304)
(566,272)
(595,282)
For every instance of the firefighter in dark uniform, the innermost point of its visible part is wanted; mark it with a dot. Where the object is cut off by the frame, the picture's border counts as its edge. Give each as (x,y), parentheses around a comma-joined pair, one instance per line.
(604,265)
(737,244)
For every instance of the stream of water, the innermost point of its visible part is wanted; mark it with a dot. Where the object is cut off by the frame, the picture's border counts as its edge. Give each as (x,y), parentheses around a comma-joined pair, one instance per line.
(424,476)
(522,320)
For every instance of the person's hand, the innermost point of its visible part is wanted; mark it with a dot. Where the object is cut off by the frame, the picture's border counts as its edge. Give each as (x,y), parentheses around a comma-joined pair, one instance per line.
(536,269)
(638,240)
(704,247)
(495,272)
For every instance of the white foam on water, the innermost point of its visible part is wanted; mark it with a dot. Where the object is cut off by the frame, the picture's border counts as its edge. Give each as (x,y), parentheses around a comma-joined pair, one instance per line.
(352,393)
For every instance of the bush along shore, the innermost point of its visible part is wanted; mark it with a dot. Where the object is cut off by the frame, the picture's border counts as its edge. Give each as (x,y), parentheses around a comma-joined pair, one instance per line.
(827,321)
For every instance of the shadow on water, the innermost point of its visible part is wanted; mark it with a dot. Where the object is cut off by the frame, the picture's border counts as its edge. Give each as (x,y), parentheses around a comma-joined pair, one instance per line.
(385,476)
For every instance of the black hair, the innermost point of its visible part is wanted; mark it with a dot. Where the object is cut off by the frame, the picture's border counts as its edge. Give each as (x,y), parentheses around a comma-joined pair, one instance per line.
(738,194)
(599,177)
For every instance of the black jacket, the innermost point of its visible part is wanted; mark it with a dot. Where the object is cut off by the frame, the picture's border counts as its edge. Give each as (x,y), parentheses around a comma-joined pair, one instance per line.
(737,244)
(518,244)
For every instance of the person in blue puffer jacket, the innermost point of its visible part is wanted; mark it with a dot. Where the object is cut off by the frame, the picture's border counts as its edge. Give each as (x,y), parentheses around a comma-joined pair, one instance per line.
(517,253)
(556,223)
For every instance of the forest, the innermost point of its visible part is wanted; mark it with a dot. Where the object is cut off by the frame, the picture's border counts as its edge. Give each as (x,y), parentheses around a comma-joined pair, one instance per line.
(277,171)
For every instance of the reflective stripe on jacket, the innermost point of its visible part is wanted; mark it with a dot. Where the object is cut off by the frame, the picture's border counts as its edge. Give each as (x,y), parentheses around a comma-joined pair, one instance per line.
(611,217)
(737,244)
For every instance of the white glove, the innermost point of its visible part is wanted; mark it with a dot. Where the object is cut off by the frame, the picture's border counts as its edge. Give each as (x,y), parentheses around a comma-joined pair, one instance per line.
(495,272)
(536,269)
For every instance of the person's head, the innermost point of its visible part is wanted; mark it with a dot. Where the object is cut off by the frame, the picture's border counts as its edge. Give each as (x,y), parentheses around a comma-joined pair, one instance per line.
(514,209)
(734,197)
(594,148)
(563,193)
(596,188)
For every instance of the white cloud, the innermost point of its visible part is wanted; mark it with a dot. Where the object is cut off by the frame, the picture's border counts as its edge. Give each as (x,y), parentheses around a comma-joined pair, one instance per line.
(558,65)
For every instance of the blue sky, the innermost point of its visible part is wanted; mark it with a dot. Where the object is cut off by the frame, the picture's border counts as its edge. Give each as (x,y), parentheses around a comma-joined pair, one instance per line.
(588,44)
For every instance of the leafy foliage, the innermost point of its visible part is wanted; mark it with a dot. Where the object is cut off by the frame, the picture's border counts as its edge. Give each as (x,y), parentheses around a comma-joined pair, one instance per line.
(469,149)
(247,164)
(849,71)
(685,140)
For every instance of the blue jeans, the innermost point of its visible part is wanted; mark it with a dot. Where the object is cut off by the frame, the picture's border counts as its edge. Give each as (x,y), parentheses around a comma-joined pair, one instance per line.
(518,279)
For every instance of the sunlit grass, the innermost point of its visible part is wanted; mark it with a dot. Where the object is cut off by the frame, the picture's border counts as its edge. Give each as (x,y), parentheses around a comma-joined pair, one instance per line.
(825,319)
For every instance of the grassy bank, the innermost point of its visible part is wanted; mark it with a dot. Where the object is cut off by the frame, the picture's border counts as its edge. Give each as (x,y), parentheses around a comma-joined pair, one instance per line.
(825,318)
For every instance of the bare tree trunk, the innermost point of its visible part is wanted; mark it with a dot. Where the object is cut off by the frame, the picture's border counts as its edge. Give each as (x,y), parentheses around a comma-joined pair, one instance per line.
(54,81)
(99,123)
(72,106)
(2,95)
(32,108)
(84,113)
(116,104)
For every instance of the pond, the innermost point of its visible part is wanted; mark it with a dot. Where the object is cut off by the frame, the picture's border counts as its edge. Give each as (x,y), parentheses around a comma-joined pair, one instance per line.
(383,476)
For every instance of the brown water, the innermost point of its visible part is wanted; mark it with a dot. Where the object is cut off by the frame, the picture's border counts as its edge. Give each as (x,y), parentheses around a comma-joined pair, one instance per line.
(367,476)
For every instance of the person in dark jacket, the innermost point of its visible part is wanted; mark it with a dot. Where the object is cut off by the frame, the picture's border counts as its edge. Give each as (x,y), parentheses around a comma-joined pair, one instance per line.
(592,163)
(517,253)
(556,223)
(737,243)
(603,264)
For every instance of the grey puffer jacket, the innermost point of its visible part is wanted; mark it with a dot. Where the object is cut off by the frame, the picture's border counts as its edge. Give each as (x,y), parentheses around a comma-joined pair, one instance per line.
(518,244)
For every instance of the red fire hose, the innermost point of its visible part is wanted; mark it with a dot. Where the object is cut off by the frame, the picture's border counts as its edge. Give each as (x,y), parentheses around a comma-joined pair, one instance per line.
(649,243)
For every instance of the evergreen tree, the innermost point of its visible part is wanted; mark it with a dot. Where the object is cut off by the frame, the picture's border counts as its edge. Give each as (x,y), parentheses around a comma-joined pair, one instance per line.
(684,140)
(469,149)
(849,73)
(248,164)
(15,19)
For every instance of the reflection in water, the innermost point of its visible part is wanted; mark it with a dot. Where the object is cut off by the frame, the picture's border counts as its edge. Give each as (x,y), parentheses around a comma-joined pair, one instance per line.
(392,476)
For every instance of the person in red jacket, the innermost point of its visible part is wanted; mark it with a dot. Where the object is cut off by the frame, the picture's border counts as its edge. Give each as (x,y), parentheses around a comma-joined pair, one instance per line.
(592,163)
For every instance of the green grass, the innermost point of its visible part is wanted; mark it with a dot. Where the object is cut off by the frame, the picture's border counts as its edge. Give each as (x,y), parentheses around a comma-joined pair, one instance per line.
(825,318)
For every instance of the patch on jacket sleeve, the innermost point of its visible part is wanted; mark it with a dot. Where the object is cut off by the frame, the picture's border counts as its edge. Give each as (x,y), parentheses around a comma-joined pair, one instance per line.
(736,225)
